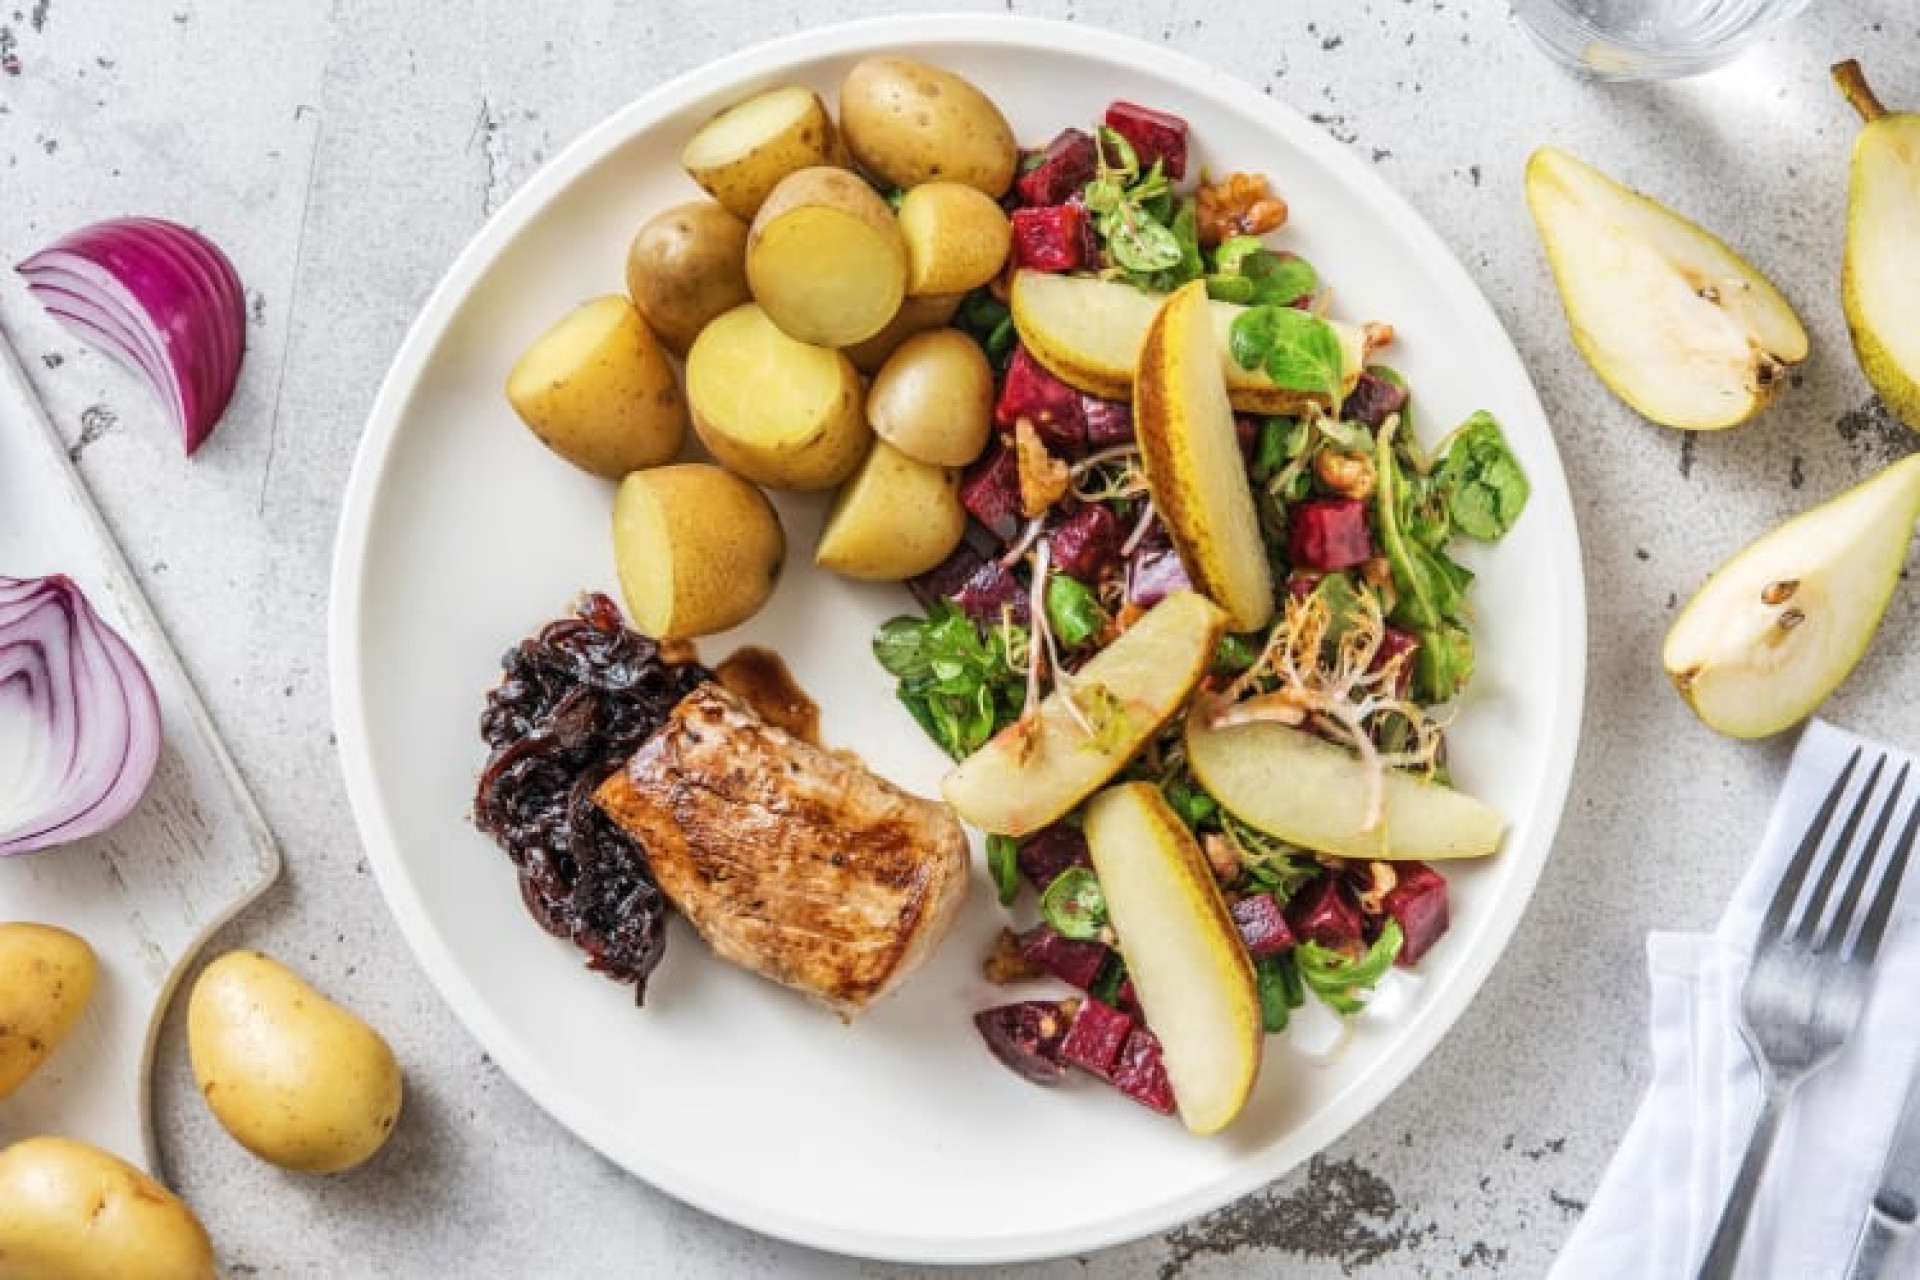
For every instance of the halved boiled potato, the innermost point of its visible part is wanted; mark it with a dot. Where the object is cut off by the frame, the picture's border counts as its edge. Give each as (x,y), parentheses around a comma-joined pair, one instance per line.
(894,518)
(1029,774)
(698,549)
(741,154)
(1088,333)
(825,259)
(1307,791)
(957,237)
(933,399)
(778,411)
(597,389)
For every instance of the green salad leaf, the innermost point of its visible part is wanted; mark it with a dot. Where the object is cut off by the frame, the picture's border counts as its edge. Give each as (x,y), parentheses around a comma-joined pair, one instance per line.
(1485,489)
(1074,905)
(1003,864)
(1297,349)
(1073,610)
(1339,979)
(961,683)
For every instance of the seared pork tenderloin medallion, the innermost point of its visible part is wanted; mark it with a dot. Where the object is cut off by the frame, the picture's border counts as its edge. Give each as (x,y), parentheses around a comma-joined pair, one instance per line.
(791,861)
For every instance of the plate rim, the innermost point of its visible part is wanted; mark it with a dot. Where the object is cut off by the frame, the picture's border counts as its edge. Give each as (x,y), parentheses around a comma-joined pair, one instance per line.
(381,431)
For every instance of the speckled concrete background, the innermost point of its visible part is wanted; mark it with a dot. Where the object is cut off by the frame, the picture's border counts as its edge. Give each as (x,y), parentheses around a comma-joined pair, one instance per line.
(344,152)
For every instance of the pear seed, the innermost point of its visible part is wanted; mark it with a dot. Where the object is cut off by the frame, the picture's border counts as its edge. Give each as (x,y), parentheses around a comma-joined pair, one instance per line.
(1780,592)
(1791,619)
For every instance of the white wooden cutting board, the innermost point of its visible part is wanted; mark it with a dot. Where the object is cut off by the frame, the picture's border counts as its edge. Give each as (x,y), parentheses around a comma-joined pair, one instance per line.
(148,892)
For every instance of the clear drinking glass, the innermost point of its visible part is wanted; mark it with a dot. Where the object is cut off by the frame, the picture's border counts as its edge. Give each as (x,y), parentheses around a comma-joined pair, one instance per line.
(1649,39)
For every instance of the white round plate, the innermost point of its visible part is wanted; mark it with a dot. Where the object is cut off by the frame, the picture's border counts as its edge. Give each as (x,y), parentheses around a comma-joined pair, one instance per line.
(897,1136)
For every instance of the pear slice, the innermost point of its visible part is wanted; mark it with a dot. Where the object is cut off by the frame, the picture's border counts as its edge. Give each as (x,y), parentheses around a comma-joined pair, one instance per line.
(1192,975)
(1032,772)
(1088,333)
(1675,323)
(1198,480)
(1309,792)
(1882,261)
(1779,626)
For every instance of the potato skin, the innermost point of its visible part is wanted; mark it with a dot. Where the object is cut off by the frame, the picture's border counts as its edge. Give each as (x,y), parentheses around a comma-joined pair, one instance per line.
(771,134)
(597,389)
(75,1212)
(685,266)
(957,238)
(46,978)
(909,123)
(295,1078)
(698,549)
(916,315)
(895,518)
(825,258)
(933,398)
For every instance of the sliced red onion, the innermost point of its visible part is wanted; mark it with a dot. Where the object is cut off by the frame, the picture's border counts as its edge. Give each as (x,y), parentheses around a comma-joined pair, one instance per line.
(79,722)
(159,296)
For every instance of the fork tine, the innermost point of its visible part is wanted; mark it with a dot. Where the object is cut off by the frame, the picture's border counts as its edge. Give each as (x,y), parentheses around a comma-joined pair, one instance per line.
(1863,865)
(1781,908)
(1882,907)
(1836,859)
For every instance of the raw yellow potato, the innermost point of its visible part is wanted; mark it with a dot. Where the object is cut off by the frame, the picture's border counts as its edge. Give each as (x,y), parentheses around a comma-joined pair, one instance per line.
(933,398)
(698,549)
(295,1078)
(1030,773)
(685,266)
(782,413)
(741,154)
(909,123)
(1194,469)
(957,237)
(46,979)
(916,315)
(597,389)
(69,1211)
(825,259)
(1291,784)
(896,517)
(1088,333)
(1193,977)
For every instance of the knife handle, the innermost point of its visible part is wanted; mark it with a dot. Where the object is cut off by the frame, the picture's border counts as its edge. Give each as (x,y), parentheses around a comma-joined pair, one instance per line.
(1889,1222)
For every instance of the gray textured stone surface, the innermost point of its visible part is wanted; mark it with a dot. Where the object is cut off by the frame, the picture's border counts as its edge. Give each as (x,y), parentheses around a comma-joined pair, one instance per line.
(344,152)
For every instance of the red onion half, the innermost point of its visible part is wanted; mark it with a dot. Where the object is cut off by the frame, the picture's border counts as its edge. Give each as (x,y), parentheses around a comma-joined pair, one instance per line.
(161,297)
(79,723)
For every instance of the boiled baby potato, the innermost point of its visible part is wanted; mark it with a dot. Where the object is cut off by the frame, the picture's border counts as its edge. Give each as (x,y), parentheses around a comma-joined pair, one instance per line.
(780,412)
(69,1211)
(895,518)
(685,266)
(598,391)
(296,1079)
(957,238)
(698,549)
(46,978)
(933,399)
(916,315)
(910,123)
(738,156)
(825,258)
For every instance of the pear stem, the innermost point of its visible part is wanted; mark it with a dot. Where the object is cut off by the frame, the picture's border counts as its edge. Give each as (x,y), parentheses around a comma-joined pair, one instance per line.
(1853,84)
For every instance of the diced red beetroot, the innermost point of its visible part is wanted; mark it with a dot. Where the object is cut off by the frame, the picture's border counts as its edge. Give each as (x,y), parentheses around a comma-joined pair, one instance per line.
(1140,1074)
(1419,902)
(1155,135)
(1262,924)
(1328,534)
(1246,433)
(1026,1036)
(991,492)
(1075,961)
(946,578)
(1372,399)
(1324,912)
(1086,542)
(1126,998)
(1053,407)
(1051,850)
(1154,571)
(1108,422)
(993,594)
(1050,238)
(1393,643)
(1065,167)
(1095,1037)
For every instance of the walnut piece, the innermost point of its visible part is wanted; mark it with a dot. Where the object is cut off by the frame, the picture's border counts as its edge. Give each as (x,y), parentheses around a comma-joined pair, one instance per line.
(1240,204)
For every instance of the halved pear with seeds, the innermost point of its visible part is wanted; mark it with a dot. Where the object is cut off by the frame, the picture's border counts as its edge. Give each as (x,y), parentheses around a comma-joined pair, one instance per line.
(1783,622)
(1675,323)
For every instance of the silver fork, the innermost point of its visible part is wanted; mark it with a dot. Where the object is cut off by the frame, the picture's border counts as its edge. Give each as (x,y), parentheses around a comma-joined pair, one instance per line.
(1807,986)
